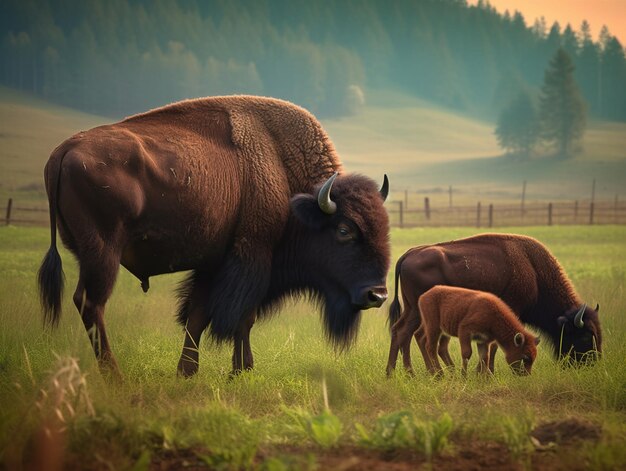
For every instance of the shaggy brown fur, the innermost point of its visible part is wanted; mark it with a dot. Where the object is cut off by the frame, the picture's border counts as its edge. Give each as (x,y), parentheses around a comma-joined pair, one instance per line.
(472,315)
(205,185)
(518,269)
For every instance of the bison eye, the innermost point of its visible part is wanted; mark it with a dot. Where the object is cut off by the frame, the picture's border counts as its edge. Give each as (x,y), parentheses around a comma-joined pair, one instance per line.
(344,233)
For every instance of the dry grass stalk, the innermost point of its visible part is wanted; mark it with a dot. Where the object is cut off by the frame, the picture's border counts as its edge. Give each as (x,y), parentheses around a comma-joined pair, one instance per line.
(58,403)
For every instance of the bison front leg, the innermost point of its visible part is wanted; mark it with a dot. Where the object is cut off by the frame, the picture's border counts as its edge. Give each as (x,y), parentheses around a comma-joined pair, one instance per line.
(465,338)
(236,294)
(483,349)
(242,351)
(190,356)
(492,356)
(194,316)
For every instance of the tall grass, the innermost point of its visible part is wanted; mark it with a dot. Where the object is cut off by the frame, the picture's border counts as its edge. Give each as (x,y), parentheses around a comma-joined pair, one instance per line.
(228,421)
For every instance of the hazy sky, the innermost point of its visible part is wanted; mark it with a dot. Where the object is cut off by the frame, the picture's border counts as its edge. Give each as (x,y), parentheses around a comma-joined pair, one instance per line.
(596,12)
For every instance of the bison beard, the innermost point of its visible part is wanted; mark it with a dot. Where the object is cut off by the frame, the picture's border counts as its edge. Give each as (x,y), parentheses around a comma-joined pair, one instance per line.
(341,319)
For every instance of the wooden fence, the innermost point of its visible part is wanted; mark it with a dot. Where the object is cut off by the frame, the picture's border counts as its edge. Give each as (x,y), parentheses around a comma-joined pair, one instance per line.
(25,214)
(503,215)
(479,215)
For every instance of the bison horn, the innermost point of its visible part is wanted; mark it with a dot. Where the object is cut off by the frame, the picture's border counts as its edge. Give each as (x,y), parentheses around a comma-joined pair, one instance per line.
(327,205)
(578,318)
(384,190)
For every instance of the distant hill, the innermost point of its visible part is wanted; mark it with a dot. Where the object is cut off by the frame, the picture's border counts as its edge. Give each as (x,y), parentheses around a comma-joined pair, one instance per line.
(421,146)
(30,129)
(426,148)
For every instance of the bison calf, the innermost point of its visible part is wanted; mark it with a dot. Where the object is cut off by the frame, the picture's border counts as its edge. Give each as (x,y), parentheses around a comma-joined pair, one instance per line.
(472,315)
(518,269)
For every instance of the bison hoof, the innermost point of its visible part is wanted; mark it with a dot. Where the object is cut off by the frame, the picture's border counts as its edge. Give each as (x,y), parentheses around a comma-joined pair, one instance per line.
(187,369)
(438,374)
(237,371)
(110,371)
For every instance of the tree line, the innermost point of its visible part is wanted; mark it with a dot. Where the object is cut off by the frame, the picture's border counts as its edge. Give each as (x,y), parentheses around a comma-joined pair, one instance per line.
(117,57)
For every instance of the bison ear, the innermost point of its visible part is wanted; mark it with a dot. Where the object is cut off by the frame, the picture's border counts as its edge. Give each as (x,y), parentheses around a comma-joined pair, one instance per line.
(518,340)
(597,308)
(306,209)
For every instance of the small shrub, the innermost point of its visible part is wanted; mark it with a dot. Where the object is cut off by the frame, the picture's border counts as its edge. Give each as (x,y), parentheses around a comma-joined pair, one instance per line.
(401,430)
(516,434)
(231,438)
(324,429)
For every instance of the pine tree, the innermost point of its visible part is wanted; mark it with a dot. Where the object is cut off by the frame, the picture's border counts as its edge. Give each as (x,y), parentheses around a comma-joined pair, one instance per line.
(613,80)
(588,68)
(518,126)
(562,109)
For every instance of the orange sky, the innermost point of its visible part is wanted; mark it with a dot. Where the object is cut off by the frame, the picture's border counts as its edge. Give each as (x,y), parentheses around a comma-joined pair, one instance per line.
(597,12)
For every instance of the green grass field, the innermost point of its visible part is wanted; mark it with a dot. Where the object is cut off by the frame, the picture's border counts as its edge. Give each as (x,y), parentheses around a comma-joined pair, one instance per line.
(275,416)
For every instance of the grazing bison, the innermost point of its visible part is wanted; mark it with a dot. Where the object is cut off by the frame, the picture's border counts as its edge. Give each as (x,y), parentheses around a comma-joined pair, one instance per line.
(517,269)
(247,192)
(472,315)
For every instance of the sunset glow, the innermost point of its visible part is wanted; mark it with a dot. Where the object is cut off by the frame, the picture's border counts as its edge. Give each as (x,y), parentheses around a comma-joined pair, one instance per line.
(597,12)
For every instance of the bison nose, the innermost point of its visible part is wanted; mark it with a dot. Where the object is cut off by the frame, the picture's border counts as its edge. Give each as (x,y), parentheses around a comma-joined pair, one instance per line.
(373,297)
(377,297)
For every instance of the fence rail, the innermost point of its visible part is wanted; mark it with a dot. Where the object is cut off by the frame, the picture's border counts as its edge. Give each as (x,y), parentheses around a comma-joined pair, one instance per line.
(502,215)
(25,215)
(479,215)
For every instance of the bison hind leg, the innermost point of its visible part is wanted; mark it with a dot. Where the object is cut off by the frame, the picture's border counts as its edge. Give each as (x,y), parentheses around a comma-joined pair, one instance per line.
(95,284)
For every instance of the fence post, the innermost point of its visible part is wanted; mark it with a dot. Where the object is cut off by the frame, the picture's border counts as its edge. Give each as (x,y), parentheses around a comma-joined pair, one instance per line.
(523,208)
(576,211)
(9,206)
(478,215)
(549,214)
(406,199)
(591,208)
(491,215)
(401,214)
(427,208)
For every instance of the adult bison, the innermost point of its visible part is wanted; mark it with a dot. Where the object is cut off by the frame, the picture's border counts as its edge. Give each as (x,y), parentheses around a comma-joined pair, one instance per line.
(247,192)
(518,269)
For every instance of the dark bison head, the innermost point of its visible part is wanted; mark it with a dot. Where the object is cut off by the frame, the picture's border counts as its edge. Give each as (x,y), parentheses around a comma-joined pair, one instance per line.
(345,249)
(580,336)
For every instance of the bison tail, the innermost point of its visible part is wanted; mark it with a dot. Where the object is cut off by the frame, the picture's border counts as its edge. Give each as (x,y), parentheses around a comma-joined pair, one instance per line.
(50,276)
(51,283)
(394,307)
